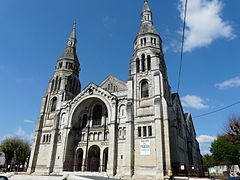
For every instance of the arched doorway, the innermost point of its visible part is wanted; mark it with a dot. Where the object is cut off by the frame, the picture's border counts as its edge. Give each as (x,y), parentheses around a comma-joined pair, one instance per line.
(105,160)
(79,160)
(93,158)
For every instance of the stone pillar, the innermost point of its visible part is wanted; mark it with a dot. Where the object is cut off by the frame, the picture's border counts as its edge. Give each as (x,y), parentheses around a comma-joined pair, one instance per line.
(140,64)
(166,137)
(101,160)
(83,160)
(53,143)
(129,153)
(112,161)
(158,126)
(165,118)
(35,147)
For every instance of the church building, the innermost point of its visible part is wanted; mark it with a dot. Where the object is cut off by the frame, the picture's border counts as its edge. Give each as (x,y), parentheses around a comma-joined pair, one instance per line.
(134,128)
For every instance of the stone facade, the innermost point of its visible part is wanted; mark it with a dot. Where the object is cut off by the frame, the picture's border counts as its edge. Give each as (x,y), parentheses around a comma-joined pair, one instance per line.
(133,128)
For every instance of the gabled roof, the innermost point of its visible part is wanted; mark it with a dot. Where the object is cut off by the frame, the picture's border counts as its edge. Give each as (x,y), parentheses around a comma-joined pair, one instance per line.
(175,96)
(112,78)
(115,83)
(189,121)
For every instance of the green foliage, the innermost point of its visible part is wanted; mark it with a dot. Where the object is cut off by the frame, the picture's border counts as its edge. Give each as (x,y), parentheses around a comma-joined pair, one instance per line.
(16,148)
(226,148)
(208,160)
(224,151)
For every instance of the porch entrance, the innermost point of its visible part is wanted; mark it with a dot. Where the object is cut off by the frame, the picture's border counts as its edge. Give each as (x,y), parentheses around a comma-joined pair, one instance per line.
(93,162)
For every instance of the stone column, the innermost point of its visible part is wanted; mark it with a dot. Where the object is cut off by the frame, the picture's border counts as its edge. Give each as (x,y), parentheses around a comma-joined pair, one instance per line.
(112,140)
(129,153)
(140,64)
(35,146)
(101,159)
(53,143)
(158,127)
(165,118)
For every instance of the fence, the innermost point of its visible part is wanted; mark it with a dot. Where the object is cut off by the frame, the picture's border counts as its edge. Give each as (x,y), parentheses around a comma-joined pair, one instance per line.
(190,170)
(13,168)
(79,164)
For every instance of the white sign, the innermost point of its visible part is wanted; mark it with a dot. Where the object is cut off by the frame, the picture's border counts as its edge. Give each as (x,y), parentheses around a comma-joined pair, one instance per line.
(144,147)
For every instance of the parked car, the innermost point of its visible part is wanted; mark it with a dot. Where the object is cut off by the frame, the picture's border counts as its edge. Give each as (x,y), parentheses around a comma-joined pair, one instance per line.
(3,178)
(233,178)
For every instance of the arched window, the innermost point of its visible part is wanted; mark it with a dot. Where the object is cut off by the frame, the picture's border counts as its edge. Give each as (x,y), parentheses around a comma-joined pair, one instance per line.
(84,121)
(53,104)
(144,89)
(137,65)
(56,83)
(149,62)
(52,85)
(44,139)
(47,138)
(59,83)
(70,84)
(59,137)
(143,63)
(97,115)
(60,65)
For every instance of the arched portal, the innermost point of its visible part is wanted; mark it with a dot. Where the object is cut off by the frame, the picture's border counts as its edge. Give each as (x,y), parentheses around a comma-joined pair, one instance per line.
(79,160)
(105,160)
(93,158)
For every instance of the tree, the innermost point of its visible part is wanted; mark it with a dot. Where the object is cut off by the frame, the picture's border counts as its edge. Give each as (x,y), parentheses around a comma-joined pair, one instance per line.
(225,152)
(208,160)
(233,129)
(16,148)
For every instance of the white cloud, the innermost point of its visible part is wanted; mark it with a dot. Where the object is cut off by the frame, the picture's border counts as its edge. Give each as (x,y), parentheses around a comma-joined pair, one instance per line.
(205,139)
(234,82)
(195,102)
(22,134)
(204,23)
(28,121)
(205,143)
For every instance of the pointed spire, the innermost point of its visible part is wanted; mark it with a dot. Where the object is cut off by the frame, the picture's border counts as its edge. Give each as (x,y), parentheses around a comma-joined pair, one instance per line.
(146,13)
(70,51)
(147,22)
(72,40)
(146,6)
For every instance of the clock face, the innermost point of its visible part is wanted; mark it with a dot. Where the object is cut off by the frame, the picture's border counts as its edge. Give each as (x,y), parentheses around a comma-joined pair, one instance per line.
(69,43)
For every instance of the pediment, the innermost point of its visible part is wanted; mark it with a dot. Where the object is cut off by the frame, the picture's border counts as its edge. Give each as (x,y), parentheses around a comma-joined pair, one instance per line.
(93,90)
(113,84)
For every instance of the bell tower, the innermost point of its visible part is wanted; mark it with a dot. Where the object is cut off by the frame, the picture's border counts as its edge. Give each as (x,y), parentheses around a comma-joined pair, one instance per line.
(63,86)
(149,98)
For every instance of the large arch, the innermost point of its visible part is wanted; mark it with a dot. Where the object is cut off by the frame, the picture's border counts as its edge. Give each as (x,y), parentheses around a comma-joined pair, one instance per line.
(93,162)
(81,111)
(75,110)
(79,160)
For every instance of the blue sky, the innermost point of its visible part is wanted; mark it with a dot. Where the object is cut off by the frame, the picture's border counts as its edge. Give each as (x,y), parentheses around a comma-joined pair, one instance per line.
(33,35)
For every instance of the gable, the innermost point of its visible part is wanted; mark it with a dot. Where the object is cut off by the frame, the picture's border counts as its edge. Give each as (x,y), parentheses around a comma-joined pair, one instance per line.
(113,84)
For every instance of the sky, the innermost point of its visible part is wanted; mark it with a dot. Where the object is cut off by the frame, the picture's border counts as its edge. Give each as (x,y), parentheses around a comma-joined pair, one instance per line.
(33,35)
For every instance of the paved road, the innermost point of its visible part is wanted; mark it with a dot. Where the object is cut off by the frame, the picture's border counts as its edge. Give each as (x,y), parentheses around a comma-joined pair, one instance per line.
(25,177)
(99,178)
(28,177)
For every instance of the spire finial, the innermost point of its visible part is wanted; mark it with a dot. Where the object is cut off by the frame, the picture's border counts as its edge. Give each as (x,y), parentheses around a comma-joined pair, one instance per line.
(146,6)
(72,40)
(74,24)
